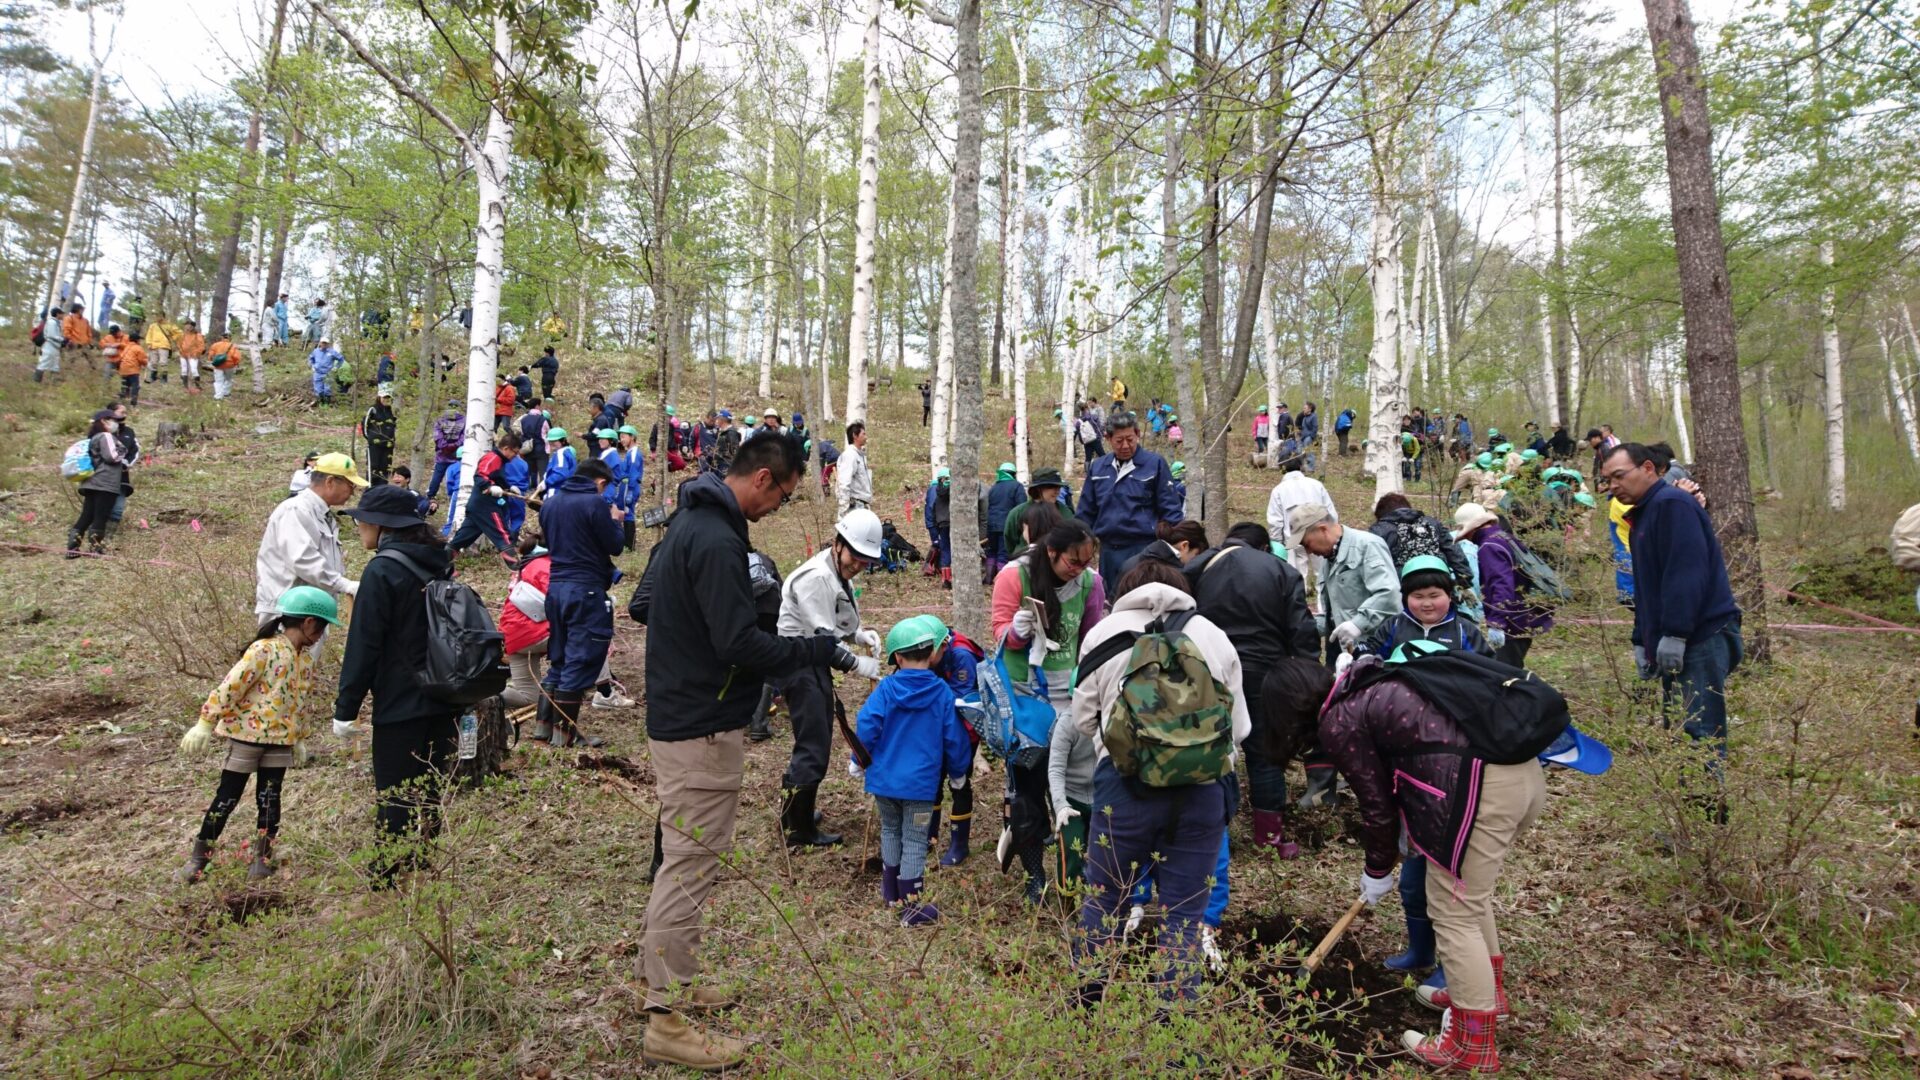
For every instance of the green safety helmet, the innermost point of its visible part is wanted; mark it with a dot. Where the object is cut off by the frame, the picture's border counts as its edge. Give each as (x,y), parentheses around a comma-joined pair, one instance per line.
(915,632)
(942,476)
(1558,485)
(1529,454)
(1407,439)
(1417,647)
(1056,414)
(1485,461)
(1504,448)
(606,433)
(1550,472)
(1584,499)
(628,429)
(304,601)
(670,410)
(1502,482)
(1493,433)
(1179,469)
(1421,563)
(1262,410)
(556,434)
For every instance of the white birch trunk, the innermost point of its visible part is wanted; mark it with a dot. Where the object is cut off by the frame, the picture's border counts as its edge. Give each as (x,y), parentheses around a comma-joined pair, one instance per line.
(1414,338)
(1444,360)
(820,288)
(1836,388)
(1016,255)
(1270,346)
(1573,352)
(79,177)
(866,222)
(256,332)
(489,267)
(1552,395)
(942,373)
(1676,383)
(1386,398)
(1897,392)
(770,296)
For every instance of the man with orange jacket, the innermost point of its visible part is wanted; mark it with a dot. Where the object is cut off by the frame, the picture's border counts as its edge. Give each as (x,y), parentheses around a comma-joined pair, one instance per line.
(192,346)
(75,326)
(503,398)
(129,360)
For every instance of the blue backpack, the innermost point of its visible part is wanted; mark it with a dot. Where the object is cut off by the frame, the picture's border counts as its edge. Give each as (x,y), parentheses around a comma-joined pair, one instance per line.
(1014,724)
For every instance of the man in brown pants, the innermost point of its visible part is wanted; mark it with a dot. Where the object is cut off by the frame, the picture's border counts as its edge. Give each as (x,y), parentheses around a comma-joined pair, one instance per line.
(706,660)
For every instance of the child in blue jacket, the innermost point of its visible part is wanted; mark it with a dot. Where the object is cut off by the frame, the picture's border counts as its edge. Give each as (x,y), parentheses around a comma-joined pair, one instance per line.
(913,739)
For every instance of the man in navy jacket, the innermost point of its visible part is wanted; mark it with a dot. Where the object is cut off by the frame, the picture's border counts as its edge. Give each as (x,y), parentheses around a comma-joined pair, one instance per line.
(1686,626)
(1127,494)
(583,534)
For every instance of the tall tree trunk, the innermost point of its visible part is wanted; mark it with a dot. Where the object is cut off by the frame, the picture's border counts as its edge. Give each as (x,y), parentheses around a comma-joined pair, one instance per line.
(1561,388)
(1765,426)
(1270,347)
(230,238)
(426,388)
(1170,247)
(820,283)
(770,317)
(491,170)
(79,176)
(1706,300)
(1000,282)
(968,603)
(942,373)
(866,221)
(1836,386)
(1013,235)
(1676,397)
(1386,398)
(283,223)
(1897,392)
(256,321)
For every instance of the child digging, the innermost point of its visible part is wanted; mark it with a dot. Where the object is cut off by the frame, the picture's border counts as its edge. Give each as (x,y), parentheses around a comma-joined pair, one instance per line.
(256,708)
(914,739)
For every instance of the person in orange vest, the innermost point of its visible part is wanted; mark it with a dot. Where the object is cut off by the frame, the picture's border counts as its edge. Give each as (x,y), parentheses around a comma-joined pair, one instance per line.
(113,337)
(504,397)
(75,326)
(224,357)
(129,359)
(192,346)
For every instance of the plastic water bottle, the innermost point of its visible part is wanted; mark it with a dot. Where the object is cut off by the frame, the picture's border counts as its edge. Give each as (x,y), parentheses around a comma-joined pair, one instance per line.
(469,737)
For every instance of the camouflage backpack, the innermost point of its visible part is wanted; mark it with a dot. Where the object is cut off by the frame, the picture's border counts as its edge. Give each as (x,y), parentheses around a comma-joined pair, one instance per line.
(1172,724)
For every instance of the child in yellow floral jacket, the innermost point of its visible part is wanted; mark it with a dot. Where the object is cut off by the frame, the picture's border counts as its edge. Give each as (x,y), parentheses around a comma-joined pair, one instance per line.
(256,708)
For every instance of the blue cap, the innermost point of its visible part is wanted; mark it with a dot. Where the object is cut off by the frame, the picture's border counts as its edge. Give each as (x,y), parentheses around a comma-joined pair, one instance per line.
(728,413)
(1579,751)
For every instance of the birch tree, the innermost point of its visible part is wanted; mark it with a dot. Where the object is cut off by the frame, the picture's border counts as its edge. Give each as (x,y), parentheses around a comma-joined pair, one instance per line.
(867,219)
(86,158)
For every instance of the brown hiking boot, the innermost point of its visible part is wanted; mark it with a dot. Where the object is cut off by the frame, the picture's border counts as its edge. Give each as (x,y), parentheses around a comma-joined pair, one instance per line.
(671,1040)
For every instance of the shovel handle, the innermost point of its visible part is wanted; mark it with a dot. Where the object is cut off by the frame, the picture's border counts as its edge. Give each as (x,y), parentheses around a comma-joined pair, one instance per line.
(1333,938)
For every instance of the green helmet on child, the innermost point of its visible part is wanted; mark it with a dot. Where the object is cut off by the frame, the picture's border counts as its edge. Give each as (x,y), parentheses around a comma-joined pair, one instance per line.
(914,633)
(307,602)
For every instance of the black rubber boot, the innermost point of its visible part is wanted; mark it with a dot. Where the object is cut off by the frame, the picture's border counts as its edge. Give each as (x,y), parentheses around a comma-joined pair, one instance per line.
(263,865)
(566,722)
(799,822)
(73,543)
(196,865)
(542,717)
(761,729)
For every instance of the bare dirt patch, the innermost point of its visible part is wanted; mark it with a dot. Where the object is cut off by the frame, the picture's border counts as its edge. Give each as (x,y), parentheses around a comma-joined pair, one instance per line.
(60,711)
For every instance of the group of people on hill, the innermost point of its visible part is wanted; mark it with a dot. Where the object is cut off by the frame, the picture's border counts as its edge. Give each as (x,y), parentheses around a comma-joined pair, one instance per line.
(141,348)
(1115,621)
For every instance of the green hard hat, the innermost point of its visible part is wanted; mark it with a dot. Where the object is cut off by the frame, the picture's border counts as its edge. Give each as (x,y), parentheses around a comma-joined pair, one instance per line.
(606,433)
(1529,454)
(942,475)
(1493,433)
(1056,414)
(305,600)
(1504,448)
(1417,647)
(556,434)
(1006,466)
(915,632)
(1485,461)
(1584,499)
(670,411)
(1420,563)
(1179,469)
(628,429)
(1262,410)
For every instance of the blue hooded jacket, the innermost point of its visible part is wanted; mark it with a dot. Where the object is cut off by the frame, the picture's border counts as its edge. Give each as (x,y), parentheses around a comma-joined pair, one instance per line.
(1127,510)
(581,534)
(560,466)
(910,727)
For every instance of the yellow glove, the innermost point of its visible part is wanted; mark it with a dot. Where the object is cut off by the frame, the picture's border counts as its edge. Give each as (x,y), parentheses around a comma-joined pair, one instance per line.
(300,754)
(198,738)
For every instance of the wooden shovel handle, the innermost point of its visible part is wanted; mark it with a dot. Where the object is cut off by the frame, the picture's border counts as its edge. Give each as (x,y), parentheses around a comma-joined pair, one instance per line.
(1333,937)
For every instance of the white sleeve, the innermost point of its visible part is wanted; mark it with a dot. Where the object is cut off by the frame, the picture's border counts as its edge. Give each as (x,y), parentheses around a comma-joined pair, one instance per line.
(1277,515)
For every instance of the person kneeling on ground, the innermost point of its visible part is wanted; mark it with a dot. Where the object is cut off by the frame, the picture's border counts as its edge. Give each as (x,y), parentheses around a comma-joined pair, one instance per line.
(256,709)
(913,739)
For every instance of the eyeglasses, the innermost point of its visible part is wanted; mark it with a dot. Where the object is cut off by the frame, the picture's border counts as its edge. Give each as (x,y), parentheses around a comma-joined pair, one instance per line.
(786,494)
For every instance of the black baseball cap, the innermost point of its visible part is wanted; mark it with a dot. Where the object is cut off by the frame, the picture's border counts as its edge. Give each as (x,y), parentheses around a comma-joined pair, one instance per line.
(387,506)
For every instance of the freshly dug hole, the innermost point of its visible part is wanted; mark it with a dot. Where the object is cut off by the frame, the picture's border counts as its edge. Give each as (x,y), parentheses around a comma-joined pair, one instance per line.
(1358,1005)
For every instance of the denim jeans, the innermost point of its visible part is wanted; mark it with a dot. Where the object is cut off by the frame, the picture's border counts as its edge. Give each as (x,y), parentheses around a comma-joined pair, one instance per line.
(1175,832)
(1113,558)
(903,834)
(439,473)
(1701,687)
(1266,782)
(1413,885)
(1216,899)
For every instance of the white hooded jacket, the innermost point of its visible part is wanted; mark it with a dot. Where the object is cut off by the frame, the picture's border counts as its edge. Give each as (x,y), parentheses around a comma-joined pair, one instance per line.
(1093,698)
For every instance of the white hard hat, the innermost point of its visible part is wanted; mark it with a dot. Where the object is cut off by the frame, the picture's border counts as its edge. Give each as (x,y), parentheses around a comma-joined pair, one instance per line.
(861,530)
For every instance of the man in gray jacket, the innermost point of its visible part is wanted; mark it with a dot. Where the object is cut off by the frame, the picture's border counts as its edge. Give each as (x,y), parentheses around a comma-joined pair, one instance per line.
(301,544)
(852,476)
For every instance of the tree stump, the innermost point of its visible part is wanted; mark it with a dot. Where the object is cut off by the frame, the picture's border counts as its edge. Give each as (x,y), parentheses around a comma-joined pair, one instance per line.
(495,737)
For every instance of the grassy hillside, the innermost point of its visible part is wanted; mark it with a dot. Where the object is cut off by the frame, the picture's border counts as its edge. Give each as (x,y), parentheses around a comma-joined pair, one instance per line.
(1786,944)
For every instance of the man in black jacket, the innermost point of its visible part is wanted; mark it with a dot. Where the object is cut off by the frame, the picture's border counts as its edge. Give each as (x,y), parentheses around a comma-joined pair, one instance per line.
(1408,533)
(706,660)
(1260,602)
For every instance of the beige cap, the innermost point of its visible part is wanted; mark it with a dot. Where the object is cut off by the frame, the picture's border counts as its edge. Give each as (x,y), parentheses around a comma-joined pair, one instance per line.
(1470,516)
(1304,517)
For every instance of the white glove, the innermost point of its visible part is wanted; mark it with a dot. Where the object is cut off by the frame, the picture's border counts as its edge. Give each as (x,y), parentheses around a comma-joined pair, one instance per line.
(1373,888)
(866,667)
(1066,814)
(1342,662)
(300,754)
(854,770)
(1346,635)
(870,639)
(495,491)
(344,729)
(1023,624)
(351,588)
(197,739)
(1496,637)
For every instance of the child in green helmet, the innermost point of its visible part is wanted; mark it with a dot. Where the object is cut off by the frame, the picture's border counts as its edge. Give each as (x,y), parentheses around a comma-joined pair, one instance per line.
(257,709)
(913,739)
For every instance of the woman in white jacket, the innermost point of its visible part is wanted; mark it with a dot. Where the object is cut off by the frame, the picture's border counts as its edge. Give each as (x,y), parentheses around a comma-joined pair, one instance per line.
(1174,830)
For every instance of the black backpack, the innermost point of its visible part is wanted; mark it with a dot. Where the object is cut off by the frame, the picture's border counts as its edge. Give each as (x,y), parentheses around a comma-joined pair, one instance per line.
(466,653)
(1508,714)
